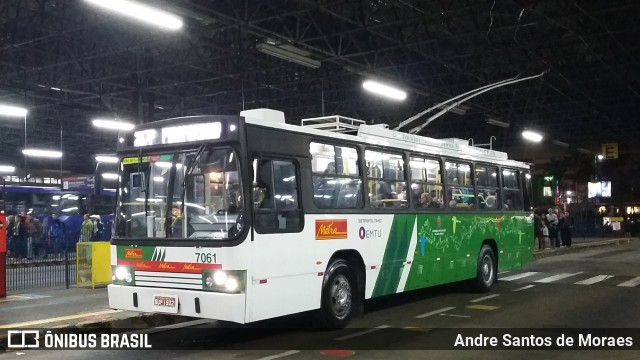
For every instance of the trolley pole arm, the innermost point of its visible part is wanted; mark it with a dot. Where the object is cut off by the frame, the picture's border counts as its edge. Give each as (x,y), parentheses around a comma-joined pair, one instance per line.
(420,114)
(440,113)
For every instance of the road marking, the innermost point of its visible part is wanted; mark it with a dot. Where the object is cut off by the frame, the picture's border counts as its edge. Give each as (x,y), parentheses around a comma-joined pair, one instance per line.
(553,278)
(518,276)
(593,280)
(524,288)
(484,298)
(61,318)
(360,333)
(504,272)
(454,315)
(483,307)
(631,283)
(435,312)
(416,328)
(277,356)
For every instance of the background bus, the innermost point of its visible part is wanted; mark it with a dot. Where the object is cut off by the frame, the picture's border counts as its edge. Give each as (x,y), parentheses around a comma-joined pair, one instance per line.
(39,204)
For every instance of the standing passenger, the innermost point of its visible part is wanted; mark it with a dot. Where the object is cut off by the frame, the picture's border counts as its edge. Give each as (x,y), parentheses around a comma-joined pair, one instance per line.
(86,229)
(537,230)
(552,223)
(567,229)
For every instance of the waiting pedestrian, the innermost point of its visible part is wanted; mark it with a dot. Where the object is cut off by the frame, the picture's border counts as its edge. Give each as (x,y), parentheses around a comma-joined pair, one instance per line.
(545,234)
(20,236)
(560,226)
(552,224)
(56,231)
(567,229)
(86,229)
(537,230)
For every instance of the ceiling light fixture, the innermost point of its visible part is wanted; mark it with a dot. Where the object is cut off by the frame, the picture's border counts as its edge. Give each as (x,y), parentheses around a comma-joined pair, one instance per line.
(13,111)
(384,90)
(109,159)
(532,136)
(7,168)
(495,122)
(113,125)
(41,153)
(144,13)
(289,53)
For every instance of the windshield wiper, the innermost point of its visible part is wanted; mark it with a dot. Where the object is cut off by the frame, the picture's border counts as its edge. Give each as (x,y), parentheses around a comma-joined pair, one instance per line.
(187,172)
(145,185)
(168,230)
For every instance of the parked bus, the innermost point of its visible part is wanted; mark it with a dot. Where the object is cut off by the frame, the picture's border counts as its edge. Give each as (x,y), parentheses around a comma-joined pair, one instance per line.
(44,201)
(245,218)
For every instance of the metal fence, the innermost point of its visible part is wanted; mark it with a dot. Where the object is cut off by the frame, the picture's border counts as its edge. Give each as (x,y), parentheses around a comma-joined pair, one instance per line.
(39,272)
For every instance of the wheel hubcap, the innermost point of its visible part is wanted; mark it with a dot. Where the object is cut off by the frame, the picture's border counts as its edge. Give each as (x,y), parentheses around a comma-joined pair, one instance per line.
(487,269)
(341,297)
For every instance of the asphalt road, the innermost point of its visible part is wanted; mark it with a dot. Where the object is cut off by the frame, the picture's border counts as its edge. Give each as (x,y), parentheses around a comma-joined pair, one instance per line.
(595,289)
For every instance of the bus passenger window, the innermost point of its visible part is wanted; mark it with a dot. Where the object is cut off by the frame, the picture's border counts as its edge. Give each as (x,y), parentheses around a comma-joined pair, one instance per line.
(387,186)
(275,197)
(460,191)
(511,190)
(487,186)
(336,178)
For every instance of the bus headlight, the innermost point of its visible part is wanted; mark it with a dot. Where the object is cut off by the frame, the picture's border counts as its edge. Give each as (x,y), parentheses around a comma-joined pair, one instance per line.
(229,281)
(122,275)
(219,278)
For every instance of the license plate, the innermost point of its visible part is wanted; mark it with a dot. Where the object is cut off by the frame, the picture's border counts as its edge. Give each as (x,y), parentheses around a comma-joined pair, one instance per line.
(165,303)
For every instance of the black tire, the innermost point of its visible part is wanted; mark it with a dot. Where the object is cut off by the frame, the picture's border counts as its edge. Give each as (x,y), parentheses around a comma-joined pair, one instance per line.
(338,296)
(487,271)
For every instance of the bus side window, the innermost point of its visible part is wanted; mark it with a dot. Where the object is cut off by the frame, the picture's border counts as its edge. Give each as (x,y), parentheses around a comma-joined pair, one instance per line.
(275,197)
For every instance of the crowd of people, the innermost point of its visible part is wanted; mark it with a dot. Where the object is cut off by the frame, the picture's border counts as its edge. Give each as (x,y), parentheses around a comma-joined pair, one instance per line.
(29,236)
(553,229)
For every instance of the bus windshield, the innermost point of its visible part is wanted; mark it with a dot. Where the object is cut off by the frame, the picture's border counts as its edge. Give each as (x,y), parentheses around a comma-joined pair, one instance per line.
(193,194)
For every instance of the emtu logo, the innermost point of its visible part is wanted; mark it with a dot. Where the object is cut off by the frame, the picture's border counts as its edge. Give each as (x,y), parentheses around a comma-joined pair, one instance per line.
(23,339)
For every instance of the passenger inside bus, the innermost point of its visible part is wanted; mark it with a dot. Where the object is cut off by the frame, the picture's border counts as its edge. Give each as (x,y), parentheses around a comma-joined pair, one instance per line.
(426,201)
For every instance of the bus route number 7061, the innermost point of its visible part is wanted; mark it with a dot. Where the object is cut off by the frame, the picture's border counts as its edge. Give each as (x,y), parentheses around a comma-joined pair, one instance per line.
(206,258)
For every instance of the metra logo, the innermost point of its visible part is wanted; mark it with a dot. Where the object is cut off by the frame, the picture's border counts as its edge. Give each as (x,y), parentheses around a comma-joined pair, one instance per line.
(133,253)
(331,229)
(190,267)
(167,266)
(142,265)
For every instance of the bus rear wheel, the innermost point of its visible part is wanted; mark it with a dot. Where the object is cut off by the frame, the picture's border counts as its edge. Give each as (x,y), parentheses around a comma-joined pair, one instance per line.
(487,270)
(337,307)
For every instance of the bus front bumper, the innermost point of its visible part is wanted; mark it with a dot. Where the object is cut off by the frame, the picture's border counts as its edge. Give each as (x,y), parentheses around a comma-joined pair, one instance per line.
(202,304)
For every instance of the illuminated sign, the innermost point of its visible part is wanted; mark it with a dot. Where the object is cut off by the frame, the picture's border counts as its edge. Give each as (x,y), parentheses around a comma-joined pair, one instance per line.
(599,189)
(178,134)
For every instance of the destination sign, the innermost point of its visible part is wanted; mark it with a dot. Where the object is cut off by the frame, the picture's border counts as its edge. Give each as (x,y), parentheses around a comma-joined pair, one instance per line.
(178,134)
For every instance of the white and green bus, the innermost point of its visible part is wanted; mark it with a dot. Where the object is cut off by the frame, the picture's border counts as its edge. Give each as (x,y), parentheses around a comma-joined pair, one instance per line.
(245,218)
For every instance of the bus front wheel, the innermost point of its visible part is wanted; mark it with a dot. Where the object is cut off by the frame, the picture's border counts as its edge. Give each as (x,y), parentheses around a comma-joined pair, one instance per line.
(487,269)
(337,296)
